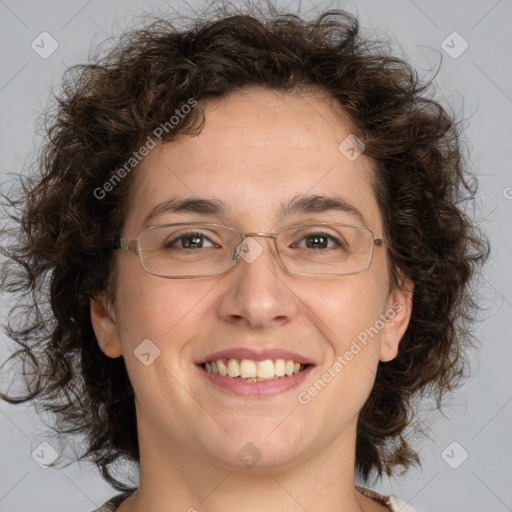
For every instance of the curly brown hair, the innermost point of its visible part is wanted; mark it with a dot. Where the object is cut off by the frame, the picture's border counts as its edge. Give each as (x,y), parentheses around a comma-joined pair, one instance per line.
(60,253)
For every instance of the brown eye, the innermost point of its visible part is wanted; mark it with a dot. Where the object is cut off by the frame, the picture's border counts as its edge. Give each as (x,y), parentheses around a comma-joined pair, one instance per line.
(189,240)
(316,241)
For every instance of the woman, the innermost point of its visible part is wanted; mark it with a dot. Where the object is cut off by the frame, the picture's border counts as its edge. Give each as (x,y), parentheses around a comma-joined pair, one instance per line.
(249,238)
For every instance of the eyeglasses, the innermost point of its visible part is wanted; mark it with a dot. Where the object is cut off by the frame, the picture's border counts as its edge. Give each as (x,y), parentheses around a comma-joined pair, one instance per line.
(186,250)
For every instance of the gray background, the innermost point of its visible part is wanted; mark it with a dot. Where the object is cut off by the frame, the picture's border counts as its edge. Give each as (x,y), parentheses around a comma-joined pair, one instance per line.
(479,80)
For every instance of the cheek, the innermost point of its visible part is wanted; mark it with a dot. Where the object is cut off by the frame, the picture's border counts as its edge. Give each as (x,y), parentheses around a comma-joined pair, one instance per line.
(155,308)
(346,313)
(347,307)
(157,318)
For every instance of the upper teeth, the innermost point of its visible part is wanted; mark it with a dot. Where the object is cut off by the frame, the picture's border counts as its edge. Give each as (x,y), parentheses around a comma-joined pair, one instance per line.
(247,368)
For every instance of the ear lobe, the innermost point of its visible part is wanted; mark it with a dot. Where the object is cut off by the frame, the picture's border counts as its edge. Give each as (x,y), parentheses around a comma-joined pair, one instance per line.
(104,323)
(397,314)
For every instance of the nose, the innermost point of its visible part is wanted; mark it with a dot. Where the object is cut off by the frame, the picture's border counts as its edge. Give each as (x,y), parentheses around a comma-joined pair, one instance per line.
(258,291)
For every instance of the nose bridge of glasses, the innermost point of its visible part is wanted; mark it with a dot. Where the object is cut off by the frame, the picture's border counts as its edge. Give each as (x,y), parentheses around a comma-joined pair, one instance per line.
(245,236)
(266,235)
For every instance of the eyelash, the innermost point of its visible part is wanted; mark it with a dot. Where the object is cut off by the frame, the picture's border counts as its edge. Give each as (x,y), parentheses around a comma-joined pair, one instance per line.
(172,242)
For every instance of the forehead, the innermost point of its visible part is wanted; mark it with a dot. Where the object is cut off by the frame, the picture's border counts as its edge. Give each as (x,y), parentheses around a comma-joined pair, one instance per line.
(258,150)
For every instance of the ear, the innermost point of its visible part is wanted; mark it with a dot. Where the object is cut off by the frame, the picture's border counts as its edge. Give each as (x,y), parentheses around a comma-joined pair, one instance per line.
(397,316)
(104,323)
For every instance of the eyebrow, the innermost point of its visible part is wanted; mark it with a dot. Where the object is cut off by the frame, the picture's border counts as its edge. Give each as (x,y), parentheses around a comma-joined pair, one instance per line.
(299,205)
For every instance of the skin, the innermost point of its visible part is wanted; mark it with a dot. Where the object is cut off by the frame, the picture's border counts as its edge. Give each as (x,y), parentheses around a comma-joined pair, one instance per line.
(257,149)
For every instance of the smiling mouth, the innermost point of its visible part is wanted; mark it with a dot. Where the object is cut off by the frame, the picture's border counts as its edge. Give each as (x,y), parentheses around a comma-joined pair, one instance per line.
(254,371)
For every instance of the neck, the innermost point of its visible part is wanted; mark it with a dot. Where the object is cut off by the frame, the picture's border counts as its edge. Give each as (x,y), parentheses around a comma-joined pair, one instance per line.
(175,476)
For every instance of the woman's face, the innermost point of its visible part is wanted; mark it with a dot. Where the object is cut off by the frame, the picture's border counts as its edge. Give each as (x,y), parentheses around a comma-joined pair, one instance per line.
(258,150)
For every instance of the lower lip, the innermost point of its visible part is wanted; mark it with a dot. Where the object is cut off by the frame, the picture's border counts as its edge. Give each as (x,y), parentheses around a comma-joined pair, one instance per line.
(261,389)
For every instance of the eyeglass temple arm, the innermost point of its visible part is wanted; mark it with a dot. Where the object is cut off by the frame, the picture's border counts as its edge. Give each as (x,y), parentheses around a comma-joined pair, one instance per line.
(126,244)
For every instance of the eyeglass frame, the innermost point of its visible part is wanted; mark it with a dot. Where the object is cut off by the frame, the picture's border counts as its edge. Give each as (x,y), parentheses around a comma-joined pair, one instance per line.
(131,245)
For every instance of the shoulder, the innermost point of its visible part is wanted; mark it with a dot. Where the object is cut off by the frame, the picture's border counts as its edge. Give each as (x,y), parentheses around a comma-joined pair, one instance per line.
(394,503)
(112,504)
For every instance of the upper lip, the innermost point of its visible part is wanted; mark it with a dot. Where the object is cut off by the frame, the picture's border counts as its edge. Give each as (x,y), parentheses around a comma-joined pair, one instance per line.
(255,355)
